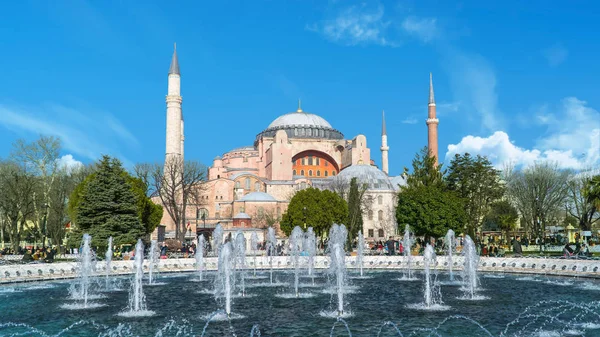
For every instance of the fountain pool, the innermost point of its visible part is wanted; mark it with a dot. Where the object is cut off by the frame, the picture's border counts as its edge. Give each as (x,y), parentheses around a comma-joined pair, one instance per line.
(181,306)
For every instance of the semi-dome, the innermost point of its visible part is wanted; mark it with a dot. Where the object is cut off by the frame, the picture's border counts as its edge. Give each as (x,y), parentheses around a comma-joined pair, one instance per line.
(300,124)
(367,174)
(258,196)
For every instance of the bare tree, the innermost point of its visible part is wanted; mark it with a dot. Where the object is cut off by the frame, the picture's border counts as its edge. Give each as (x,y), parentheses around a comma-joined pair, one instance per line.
(16,202)
(177,184)
(538,192)
(265,218)
(578,204)
(40,158)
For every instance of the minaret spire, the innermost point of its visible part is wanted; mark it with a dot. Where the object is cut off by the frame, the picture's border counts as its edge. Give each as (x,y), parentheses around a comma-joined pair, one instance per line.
(384,146)
(174,131)
(174,69)
(431,97)
(299,105)
(432,124)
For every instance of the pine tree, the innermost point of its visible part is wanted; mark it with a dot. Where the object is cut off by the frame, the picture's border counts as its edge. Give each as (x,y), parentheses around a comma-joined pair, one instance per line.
(108,207)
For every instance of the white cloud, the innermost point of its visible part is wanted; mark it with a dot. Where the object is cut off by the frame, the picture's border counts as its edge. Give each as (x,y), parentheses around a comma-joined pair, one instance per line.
(356,25)
(423,28)
(555,55)
(572,140)
(86,134)
(69,163)
(409,120)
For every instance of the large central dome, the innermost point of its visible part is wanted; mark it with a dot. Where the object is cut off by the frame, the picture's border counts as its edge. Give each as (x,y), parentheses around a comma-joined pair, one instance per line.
(300,119)
(300,124)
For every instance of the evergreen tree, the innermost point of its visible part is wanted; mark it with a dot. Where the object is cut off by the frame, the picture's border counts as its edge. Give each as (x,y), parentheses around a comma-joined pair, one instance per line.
(425,203)
(477,182)
(425,172)
(355,216)
(108,207)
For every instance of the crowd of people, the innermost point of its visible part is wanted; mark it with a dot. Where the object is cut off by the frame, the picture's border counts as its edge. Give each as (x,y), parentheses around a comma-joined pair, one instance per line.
(492,247)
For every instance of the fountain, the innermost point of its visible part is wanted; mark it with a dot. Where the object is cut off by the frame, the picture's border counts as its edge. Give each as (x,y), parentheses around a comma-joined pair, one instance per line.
(224,279)
(239,258)
(137,300)
(295,247)
(108,256)
(254,247)
(469,273)
(337,240)
(200,255)
(407,244)
(80,290)
(449,249)
(153,263)
(217,239)
(310,247)
(271,243)
(360,252)
(431,290)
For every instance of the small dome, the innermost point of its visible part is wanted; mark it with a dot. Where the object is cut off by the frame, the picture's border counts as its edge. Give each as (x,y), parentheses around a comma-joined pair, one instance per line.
(398,181)
(217,158)
(300,119)
(241,215)
(367,174)
(258,196)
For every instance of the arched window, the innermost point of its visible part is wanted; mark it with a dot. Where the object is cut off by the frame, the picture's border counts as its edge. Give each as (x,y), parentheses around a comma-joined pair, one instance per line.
(257,186)
(310,160)
(218,176)
(380,200)
(310,173)
(318,173)
(294,172)
(326,173)
(237,184)
(247,183)
(380,215)
(243,224)
(370,215)
(318,161)
(380,233)
(278,212)
(217,215)
(302,172)
(332,173)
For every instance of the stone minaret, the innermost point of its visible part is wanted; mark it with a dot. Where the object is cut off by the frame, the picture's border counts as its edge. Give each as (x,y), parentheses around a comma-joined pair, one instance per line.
(384,146)
(174,116)
(432,124)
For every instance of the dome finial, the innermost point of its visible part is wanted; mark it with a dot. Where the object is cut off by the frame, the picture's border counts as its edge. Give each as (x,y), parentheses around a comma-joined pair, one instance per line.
(299,105)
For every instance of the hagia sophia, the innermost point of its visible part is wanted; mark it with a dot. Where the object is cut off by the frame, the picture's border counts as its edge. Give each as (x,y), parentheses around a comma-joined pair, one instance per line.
(250,187)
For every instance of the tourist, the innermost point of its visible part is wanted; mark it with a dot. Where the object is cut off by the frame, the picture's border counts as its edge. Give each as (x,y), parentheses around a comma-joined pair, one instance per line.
(391,245)
(27,256)
(517,250)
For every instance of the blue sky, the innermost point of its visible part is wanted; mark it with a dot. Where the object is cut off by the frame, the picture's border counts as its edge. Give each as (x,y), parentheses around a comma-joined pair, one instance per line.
(514,80)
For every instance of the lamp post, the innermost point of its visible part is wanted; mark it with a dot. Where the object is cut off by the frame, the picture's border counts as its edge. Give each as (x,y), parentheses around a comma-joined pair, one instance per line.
(44,230)
(304,213)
